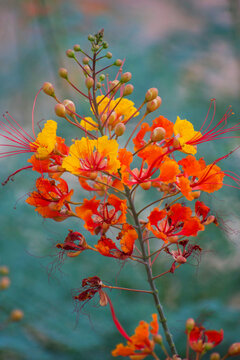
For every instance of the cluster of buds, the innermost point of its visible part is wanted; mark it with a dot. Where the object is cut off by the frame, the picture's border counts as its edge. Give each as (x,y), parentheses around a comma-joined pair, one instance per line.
(16,314)
(113,159)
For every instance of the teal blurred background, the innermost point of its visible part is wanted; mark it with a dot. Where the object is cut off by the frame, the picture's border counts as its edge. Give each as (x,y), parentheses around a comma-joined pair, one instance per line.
(190,51)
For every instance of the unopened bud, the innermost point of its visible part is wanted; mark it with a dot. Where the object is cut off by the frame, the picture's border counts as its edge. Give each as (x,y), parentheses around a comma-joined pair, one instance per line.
(215,356)
(209,220)
(85,60)
(70,106)
(70,53)
(16,315)
(48,89)
(98,85)
(4,282)
(126,77)
(118,62)
(158,134)
(196,194)
(89,82)
(190,323)
(154,104)
(181,259)
(91,37)
(4,270)
(208,346)
(146,185)
(105,45)
(151,94)
(92,175)
(128,89)
(158,339)
(87,70)
(173,239)
(77,47)
(119,129)
(63,73)
(60,110)
(102,77)
(111,118)
(95,48)
(108,55)
(234,349)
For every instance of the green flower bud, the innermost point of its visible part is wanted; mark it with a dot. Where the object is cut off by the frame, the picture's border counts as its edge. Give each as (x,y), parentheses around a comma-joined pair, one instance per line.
(105,45)
(108,55)
(70,53)
(102,77)
(91,37)
(126,77)
(118,62)
(98,85)
(77,47)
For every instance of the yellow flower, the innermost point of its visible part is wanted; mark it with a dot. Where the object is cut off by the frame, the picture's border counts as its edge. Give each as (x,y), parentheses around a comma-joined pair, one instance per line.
(89,125)
(87,156)
(185,133)
(46,140)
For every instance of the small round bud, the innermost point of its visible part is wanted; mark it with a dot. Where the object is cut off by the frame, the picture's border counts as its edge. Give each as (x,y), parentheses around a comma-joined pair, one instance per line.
(146,185)
(70,53)
(181,259)
(196,194)
(112,118)
(108,55)
(48,89)
(158,339)
(210,219)
(4,282)
(102,77)
(173,239)
(151,94)
(63,73)
(128,89)
(16,315)
(95,48)
(4,270)
(126,77)
(87,70)
(118,62)
(60,110)
(69,106)
(77,47)
(98,85)
(234,349)
(91,37)
(114,85)
(158,134)
(153,105)
(119,129)
(85,60)
(92,175)
(208,346)
(190,323)
(215,356)
(89,82)
(105,45)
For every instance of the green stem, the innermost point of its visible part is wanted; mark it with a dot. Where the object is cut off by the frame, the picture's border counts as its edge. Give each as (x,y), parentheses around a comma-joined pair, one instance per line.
(149,276)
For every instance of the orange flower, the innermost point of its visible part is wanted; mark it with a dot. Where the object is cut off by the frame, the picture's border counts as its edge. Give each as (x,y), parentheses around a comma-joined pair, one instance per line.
(140,344)
(127,238)
(51,199)
(178,220)
(99,216)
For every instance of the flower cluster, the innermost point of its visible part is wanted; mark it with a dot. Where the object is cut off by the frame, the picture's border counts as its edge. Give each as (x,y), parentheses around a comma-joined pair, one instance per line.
(160,155)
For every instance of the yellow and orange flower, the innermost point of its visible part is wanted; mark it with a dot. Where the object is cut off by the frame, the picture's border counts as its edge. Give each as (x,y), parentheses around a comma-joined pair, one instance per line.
(185,133)
(87,156)
(140,344)
(51,199)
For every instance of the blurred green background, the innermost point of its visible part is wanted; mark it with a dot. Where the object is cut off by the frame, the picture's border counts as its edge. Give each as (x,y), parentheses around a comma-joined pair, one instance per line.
(190,51)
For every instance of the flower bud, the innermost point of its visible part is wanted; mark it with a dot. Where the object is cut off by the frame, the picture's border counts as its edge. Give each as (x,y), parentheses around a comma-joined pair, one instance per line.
(173,239)
(63,73)
(70,106)
(77,47)
(85,60)
(102,77)
(153,104)
(146,185)
(234,349)
(87,70)
(95,48)
(89,82)
(126,77)
(208,346)
(210,219)
(105,45)
(215,356)
(128,89)
(118,62)
(119,129)
(181,259)
(196,194)
(4,282)
(151,94)
(48,89)
(70,53)
(190,323)
(98,85)
(114,84)
(108,55)
(111,118)
(91,37)
(158,339)
(4,270)
(60,110)
(158,134)
(16,315)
